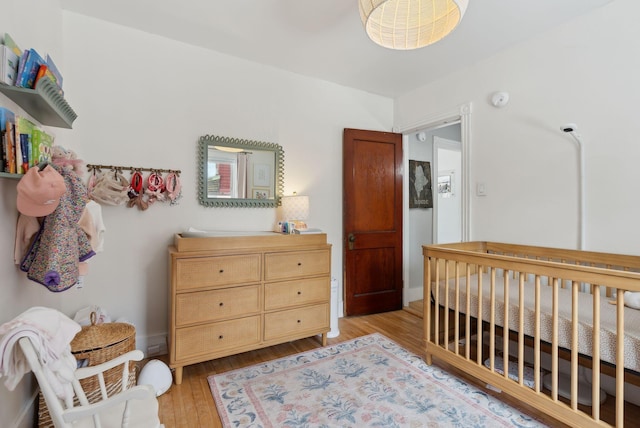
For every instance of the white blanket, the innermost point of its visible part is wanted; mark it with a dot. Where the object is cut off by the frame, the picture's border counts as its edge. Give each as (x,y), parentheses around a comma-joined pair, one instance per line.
(51,333)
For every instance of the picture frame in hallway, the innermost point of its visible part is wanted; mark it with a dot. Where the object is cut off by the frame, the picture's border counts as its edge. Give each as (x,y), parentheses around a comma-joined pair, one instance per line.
(445,184)
(420,184)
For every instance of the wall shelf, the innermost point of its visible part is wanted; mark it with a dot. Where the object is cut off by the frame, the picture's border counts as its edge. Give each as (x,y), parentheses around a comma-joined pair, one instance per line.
(9,175)
(44,103)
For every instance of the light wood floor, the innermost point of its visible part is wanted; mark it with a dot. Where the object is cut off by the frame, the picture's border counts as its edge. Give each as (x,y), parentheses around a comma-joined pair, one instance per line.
(191,404)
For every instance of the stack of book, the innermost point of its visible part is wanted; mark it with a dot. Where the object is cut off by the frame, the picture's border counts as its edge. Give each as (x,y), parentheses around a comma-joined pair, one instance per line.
(23,143)
(24,68)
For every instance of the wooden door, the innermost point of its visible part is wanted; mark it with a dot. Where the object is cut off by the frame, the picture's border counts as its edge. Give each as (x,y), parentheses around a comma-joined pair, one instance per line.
(372,221)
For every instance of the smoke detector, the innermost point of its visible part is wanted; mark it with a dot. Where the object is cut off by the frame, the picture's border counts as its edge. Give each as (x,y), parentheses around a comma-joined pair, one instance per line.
(499,99)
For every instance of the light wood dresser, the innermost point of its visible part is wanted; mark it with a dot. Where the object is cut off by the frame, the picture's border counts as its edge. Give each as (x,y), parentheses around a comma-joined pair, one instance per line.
(231,294)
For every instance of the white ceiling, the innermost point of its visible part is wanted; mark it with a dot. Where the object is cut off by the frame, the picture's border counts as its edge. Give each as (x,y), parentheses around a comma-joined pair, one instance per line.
(325,38)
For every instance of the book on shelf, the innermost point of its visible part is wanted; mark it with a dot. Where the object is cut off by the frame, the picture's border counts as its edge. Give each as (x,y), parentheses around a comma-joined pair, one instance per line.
(26,127)
(21,65)
(41,144)
(3,145)
(6,115)
(30,71)
(9,148)
(9,42)
(7,120)
(42,71)
(8,65)
(24,153)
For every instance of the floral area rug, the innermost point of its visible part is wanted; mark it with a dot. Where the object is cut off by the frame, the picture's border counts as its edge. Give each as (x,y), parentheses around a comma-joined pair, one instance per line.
(365,382)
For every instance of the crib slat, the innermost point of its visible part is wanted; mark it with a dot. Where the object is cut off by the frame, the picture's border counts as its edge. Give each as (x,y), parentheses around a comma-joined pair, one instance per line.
(468,316)
(574,345)
(595,373)
(480,317)
(536,338)
(436,307)
(505,334)
(492,319)
(620,359)
(554,341)
(427,308)
(521,328)
(445,310)
(456,322)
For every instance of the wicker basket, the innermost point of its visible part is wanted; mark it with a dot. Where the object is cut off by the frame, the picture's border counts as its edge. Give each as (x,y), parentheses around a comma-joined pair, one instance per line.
(94,345)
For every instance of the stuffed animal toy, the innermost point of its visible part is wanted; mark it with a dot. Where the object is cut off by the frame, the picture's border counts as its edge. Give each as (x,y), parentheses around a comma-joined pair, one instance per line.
(68,160)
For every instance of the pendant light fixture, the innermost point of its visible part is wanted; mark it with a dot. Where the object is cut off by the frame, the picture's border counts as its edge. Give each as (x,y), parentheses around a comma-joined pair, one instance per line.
(410,24)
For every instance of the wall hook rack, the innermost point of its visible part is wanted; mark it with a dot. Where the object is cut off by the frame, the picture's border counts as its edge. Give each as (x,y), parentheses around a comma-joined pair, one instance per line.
(118,168)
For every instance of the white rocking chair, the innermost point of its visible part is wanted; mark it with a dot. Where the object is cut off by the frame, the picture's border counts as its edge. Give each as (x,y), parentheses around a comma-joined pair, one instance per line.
(136,407)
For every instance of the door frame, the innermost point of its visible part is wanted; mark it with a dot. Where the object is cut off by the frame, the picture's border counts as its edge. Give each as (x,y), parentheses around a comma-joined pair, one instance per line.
(460,114)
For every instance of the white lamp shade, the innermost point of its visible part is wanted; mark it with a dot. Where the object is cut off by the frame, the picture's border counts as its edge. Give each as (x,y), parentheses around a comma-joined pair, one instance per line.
(295,207)
(410,24)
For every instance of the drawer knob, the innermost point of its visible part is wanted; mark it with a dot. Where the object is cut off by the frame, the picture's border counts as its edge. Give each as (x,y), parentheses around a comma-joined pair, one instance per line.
(299,263)
(299,321)
(221,304)
(221,270)
(299,293)
(221,337)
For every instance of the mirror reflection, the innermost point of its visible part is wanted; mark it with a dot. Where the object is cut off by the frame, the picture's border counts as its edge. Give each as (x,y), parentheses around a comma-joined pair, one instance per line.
(240,172)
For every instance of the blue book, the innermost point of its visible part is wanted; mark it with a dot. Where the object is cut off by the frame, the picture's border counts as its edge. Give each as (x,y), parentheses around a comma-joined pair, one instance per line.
(24,153)
(31,67)
(6,115)
(21,64)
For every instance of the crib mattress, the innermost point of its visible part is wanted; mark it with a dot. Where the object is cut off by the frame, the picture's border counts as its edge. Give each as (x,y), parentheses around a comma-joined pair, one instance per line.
(585,316)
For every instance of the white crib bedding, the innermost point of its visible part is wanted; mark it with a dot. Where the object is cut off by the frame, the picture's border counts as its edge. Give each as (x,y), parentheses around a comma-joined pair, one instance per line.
(585,316)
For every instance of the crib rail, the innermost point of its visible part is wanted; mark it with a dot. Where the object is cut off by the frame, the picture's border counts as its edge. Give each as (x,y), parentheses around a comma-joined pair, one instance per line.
(507,273)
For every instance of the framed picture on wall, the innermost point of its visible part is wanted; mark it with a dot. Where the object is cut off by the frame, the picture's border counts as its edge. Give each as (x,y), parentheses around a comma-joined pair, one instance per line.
(445,184)
(420,193)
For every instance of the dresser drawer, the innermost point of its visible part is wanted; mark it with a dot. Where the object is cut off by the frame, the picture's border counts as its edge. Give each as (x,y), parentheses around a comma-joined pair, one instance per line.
(296,264)
(278,295)
(216,337)
(203,272)
(202,306)
(294,322)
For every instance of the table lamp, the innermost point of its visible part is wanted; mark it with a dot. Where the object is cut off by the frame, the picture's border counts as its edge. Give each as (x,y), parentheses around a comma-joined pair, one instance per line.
(295,209)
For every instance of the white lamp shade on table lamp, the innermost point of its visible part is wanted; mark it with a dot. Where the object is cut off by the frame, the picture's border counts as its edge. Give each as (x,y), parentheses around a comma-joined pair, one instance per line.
(295,208)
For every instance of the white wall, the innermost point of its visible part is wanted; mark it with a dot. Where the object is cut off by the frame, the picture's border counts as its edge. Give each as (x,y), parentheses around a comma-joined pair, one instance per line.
(143,100)
(585,72)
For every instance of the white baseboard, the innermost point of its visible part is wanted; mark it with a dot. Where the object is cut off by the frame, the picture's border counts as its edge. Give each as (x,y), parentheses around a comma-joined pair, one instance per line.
(412,294)
(152,345)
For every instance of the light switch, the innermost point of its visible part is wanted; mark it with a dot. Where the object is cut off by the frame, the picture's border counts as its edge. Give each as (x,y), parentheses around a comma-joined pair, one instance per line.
(481,189)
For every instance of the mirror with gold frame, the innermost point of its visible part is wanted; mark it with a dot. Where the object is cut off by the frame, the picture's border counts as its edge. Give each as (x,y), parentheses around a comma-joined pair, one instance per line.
(239,173)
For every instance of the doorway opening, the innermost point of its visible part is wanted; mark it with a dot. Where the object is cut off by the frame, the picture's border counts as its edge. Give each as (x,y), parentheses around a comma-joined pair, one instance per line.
(443,141)
(447,203)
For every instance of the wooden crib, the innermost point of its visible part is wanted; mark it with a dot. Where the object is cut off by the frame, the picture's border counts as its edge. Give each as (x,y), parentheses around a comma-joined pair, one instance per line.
(536,304)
